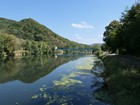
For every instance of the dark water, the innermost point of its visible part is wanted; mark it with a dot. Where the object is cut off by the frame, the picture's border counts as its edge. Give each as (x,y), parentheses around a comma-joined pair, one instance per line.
(61,80)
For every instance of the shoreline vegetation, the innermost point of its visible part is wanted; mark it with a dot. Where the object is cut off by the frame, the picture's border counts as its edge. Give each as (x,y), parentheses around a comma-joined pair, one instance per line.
(122,76)
(123,36)
(122,60)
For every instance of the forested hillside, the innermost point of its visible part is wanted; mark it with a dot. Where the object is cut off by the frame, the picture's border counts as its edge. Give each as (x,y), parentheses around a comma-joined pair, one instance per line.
(30,37)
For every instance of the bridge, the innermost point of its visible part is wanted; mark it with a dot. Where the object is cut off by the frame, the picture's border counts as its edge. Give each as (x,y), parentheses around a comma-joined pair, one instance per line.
(74,50)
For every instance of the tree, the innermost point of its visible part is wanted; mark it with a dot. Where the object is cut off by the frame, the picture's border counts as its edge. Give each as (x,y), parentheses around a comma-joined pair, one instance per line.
(8,44)
(104,47)
(124,35)
(110,35)
(97,49)
(130,29)
(1,45)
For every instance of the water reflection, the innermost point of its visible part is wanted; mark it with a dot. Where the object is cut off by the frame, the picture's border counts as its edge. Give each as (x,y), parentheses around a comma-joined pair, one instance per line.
(72,83)
(97,69)
(72,88)
(29,69)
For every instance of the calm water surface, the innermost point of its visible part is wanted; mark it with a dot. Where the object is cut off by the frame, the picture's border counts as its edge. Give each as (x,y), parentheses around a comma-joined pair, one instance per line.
(61,80)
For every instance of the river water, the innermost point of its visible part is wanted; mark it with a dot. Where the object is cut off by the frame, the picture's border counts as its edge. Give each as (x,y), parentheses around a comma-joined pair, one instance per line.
(59,80)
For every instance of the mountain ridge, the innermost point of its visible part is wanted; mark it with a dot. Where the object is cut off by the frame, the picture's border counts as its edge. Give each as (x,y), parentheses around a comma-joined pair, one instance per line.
(30,26)
(33,33)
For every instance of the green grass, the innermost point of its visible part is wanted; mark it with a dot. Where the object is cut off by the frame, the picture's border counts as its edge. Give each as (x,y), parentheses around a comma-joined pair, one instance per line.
(123,81)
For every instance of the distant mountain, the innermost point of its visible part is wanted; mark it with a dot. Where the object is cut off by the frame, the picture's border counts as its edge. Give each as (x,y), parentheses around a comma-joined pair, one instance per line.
(29,29)
(100,44)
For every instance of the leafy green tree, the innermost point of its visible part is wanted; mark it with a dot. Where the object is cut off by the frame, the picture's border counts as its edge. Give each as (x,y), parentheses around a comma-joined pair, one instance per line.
(104,47)
(8,44)
(124,35)
(110,35)
(96,47)
(130,29)
(1,45)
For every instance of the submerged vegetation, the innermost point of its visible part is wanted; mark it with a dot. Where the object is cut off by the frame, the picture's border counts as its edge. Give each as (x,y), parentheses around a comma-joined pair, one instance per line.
(65,86)
(67,81)
(86,66)
(71,88)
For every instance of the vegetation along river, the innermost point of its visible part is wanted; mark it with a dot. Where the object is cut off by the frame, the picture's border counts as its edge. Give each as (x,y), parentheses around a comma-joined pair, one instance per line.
(59,80)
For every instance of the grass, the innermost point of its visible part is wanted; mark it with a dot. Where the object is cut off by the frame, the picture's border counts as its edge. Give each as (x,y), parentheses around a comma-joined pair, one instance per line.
(123,81)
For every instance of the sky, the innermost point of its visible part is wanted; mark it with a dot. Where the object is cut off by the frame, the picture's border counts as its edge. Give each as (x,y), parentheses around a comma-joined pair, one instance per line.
(82,21)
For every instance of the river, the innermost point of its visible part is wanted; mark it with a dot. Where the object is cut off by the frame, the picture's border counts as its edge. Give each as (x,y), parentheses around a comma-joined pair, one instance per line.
(59,80)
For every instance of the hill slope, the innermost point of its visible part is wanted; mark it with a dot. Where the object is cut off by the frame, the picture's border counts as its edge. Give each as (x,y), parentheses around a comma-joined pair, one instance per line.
(32,36)
(29,29)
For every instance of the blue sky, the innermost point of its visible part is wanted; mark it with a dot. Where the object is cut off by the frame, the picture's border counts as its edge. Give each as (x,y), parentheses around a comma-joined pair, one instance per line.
(82,21)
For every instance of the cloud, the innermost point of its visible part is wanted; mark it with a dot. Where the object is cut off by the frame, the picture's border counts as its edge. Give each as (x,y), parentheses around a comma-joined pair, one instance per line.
(82,25)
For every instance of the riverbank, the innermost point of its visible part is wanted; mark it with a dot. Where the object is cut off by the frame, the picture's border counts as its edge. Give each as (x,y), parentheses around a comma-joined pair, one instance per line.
(122,76)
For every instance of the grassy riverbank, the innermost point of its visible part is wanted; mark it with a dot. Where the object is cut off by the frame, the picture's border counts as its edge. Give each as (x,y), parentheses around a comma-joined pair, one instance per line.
(122,77)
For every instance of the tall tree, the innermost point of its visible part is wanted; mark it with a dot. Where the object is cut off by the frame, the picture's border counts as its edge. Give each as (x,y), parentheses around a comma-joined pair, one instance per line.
(124,35)
(8,44)
(131,29)
(110,35)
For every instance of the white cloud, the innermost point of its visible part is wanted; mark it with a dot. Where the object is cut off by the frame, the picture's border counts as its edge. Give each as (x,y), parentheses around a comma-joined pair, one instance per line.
(82,25)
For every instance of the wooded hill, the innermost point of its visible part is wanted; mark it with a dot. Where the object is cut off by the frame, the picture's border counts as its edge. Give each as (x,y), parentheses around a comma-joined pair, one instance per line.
(30,37)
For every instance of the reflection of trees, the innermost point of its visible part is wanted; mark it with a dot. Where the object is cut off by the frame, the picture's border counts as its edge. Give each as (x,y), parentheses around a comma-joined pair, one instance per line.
(29,69)
(70,88)
(98,67)
(97,80)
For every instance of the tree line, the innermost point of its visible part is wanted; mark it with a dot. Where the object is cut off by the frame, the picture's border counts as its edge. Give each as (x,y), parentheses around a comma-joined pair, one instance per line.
(123,36)
(11,45)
